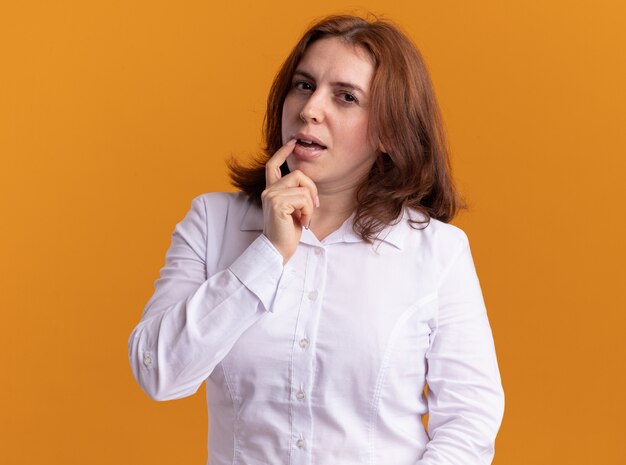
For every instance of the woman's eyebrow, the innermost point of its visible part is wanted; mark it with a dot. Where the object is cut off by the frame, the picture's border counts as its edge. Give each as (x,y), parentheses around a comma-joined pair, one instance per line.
(344,84)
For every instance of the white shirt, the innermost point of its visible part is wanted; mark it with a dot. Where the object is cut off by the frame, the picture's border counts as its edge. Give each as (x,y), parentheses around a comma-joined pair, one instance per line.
(324,360)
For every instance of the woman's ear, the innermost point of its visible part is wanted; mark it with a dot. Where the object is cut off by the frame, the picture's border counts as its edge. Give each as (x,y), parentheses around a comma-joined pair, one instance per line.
(381,148)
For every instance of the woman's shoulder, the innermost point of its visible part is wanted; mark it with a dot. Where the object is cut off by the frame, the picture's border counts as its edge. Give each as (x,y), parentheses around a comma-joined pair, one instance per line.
(229,209)
(221,203)
(434,230)
(432,239)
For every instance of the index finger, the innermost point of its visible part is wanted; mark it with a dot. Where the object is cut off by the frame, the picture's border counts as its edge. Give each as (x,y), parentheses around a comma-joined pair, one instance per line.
(272,167)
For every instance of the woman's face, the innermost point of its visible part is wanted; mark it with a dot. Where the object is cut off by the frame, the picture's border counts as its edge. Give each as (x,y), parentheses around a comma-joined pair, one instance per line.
(328,105)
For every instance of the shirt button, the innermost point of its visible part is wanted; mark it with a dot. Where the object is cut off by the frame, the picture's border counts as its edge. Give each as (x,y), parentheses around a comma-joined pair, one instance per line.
(304,343)
(147,360)
(300,443)
(312,295)
(300,395)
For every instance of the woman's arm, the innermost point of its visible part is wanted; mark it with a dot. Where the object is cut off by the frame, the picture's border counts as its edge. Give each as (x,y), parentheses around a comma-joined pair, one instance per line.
(465,396)
(192,321)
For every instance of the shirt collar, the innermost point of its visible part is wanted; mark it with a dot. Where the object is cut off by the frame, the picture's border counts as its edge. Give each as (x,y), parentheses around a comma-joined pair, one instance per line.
(394,234)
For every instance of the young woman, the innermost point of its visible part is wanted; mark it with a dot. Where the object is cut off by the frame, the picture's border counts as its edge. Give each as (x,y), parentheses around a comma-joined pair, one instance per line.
(319,301)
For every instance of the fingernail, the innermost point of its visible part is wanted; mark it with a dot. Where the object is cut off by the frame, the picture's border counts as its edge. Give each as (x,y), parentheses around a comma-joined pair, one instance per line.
(308,226)
(317,201)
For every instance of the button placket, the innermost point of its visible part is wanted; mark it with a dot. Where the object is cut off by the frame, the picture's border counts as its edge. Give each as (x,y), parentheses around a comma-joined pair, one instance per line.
(302,360)
(287,278)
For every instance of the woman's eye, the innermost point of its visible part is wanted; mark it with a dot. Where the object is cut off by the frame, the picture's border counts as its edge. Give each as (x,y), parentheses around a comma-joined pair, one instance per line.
(348,97)
(302,85)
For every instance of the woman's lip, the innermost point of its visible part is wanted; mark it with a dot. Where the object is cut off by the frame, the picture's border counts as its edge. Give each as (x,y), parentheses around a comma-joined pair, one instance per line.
(303,152)
(302,136)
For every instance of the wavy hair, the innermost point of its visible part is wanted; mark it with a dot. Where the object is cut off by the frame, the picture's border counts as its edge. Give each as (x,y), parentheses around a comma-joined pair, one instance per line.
(414,169)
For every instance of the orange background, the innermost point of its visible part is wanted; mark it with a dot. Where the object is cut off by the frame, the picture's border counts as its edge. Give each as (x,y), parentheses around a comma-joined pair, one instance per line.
(114,115)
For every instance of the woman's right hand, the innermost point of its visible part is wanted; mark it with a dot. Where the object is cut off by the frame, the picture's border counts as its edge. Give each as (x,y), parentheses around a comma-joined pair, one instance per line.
(288,203)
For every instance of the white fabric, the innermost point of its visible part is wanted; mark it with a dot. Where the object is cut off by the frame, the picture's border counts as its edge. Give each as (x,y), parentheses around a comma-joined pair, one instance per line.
(323,360)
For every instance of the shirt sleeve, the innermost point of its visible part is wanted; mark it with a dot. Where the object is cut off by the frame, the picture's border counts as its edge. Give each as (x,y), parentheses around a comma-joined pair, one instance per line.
(465,395)
(192,320)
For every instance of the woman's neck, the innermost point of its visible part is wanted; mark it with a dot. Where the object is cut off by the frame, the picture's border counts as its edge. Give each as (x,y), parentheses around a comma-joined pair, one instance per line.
(334,209)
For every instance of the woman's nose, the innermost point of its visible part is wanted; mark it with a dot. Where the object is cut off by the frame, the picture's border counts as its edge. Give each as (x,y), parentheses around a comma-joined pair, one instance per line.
(313,110)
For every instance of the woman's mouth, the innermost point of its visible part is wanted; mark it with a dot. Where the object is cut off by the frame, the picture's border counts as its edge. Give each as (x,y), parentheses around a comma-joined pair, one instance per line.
(309,145)
(307,149)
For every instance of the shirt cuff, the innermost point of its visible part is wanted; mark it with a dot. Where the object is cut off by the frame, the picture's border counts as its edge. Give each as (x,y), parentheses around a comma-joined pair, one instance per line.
(259,268)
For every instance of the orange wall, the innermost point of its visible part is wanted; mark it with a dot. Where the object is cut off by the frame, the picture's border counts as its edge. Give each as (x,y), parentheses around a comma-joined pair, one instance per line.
(114,115)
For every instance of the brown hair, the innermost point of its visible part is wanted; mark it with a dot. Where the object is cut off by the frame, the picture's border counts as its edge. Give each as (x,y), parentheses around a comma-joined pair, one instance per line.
(414,171)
